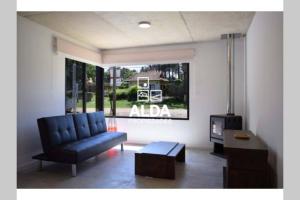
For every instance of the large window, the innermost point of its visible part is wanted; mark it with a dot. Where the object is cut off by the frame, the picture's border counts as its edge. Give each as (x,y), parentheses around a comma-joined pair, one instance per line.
(147,91)
(80,91)
(135,91)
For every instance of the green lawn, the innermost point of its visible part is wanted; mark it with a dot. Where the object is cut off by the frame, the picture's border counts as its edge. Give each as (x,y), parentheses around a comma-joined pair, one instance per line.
(172,104)
(120,103)
(89,104)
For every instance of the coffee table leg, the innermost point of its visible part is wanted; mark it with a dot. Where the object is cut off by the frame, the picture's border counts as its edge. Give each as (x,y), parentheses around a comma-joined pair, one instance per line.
(181,155)
(170,174)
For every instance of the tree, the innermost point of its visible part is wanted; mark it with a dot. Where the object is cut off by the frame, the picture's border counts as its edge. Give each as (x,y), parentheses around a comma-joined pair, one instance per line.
(91,72)
(127,73)
(106,77)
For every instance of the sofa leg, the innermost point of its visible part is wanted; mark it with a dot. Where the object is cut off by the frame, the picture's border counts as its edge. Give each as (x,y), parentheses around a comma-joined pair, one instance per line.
(74,173)
(122,147)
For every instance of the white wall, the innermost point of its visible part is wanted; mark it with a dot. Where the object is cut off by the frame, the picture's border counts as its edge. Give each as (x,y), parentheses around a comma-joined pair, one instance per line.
(40,82)
(40,85)
(265,84)
(41,92)
(208,95)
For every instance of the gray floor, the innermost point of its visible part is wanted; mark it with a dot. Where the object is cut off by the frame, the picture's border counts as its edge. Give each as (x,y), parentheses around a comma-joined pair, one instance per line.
(115,169)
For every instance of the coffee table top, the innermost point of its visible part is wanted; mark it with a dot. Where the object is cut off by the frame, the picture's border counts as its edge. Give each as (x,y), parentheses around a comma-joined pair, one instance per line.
(159,148)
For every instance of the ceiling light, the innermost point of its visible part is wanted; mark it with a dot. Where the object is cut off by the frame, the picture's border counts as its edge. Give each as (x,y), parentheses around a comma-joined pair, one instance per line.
(144,24)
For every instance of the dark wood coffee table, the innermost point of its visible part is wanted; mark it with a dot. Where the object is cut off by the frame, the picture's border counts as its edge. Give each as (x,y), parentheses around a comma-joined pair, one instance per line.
(158,159)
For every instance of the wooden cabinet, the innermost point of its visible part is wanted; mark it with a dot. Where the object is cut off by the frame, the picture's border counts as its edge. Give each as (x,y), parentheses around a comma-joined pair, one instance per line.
(247,161)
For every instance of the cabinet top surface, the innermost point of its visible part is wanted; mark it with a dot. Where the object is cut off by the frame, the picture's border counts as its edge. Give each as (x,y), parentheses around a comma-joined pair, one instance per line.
(253,143)
(225,116)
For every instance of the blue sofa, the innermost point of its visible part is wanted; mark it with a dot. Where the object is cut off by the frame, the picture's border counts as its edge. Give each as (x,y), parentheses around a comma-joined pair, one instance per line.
(75,138)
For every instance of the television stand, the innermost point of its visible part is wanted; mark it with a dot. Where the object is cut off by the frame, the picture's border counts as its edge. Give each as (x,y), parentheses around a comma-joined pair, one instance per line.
(218,150)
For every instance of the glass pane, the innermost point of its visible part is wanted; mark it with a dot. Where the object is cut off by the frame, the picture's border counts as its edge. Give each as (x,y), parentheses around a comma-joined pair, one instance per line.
(126,90)
(90,88)
(74,87)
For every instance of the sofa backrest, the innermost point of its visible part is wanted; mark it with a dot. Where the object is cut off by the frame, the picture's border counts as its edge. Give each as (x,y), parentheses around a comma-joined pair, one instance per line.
(59,130)
(81,125)
(97,122)
(56,130)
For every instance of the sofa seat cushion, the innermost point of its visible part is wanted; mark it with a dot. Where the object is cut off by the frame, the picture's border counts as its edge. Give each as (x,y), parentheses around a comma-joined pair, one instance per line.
(83,149)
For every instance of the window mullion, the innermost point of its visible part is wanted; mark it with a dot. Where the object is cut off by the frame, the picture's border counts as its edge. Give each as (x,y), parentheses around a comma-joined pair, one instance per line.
(84,88)
(114,93)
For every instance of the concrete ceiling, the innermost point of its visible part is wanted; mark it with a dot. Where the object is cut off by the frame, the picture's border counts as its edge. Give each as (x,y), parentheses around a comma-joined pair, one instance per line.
(110,30)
